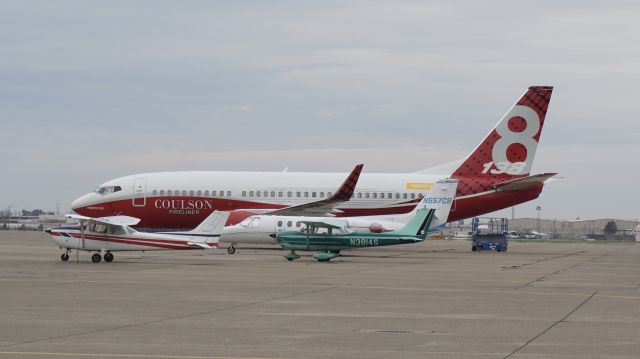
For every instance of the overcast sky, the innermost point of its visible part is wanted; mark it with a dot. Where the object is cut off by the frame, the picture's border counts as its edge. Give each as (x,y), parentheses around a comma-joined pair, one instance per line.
(93,90)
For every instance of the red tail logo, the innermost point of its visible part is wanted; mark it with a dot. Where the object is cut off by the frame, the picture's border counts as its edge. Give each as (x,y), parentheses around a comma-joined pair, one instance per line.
(508,151)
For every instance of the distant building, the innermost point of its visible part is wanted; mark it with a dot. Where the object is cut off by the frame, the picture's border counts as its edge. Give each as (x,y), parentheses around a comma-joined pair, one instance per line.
(578,229)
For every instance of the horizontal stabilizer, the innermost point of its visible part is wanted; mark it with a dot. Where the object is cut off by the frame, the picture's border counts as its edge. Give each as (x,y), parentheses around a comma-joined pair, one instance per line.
(523,183)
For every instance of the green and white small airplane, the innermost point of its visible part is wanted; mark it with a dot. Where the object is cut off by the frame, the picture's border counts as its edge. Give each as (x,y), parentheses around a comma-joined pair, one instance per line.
(328,237)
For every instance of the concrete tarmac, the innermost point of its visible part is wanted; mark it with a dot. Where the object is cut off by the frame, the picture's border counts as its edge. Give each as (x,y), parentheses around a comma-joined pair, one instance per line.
(436,299)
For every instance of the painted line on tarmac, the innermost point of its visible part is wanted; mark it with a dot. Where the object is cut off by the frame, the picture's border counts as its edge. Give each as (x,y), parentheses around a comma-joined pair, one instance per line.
(127,355)
(552,325)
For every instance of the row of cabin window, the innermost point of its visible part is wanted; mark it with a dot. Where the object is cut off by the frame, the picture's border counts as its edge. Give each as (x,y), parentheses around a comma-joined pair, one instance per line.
(191,193)
(307,194)
(290,194)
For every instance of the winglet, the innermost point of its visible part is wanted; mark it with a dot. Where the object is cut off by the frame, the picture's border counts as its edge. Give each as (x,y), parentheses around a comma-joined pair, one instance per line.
(345,191)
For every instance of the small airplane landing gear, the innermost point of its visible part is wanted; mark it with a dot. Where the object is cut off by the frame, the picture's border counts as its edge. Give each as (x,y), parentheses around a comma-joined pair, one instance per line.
(291,256)
(96,258)
(108,257)
(231,249)
(64,256)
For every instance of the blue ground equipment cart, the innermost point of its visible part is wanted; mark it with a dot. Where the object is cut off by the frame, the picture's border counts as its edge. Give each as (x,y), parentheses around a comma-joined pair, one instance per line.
(489,234)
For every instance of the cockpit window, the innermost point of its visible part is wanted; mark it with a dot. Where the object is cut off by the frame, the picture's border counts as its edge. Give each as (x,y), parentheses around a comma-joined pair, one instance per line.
(250,222)
(108,189)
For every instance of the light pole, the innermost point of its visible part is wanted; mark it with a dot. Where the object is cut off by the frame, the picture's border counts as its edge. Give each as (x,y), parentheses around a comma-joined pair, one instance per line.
(538,208)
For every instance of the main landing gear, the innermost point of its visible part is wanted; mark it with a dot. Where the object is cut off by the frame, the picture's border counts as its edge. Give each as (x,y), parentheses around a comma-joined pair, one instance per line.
(95,258)
(231,249)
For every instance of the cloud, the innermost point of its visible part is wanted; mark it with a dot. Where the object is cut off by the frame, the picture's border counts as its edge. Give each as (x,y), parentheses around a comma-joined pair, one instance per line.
(91,92)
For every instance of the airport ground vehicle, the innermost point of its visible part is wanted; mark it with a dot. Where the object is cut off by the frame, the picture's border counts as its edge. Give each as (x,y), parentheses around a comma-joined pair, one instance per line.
(490,234)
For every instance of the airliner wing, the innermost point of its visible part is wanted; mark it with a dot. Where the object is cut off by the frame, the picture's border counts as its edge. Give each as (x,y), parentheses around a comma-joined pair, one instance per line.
(111,221)
(326,205)
(523,183)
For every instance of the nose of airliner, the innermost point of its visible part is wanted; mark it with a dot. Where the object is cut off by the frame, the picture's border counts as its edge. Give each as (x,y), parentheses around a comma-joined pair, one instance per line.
(83,201)
(91,205)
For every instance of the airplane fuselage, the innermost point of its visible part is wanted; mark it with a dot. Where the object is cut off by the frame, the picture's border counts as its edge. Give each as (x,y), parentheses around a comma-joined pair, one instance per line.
(181,200)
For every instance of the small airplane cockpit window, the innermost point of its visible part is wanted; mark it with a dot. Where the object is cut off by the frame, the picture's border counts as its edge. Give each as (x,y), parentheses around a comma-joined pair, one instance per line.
(250,222)
(101,228)
(117,230)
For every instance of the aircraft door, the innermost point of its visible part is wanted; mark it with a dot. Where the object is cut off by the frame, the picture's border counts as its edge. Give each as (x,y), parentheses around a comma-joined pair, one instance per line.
(140,192)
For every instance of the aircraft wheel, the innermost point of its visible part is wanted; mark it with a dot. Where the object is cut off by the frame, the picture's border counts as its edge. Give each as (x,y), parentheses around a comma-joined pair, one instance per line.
(473,248)
(231,249)
(290,259)
(96,258)
(108,257)
(64,257)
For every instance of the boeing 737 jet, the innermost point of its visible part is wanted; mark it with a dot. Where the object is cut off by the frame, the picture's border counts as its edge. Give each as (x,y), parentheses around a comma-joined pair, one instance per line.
(495,175)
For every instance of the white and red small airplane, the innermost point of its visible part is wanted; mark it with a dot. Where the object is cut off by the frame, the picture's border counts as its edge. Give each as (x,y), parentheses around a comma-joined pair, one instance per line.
(262,228)
(113,234)
(495,175)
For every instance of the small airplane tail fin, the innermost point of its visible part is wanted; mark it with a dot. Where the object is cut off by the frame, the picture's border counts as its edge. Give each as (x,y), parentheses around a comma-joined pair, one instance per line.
(210,230)
(418,225)
(509,149)
(440,198)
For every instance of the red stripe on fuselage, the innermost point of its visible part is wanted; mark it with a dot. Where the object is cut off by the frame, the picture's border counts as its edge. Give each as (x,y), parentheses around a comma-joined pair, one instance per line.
(157,243)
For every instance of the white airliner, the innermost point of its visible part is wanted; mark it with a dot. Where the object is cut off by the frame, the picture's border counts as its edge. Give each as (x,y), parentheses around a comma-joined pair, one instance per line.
(112,234)
(495,175)
(261,229)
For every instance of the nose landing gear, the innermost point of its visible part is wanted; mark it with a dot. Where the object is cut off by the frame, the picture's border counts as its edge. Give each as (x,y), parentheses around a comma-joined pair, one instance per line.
(231,249)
